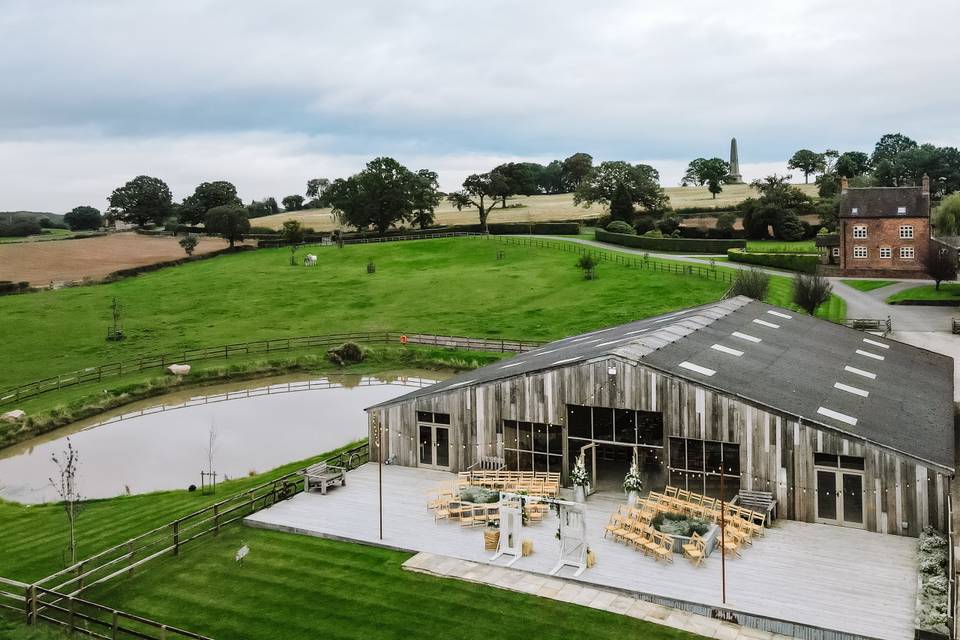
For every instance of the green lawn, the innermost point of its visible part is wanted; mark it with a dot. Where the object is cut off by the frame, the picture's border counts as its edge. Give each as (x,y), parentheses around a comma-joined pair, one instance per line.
(454,285)
(778,246)
(868,285)
(292,585)
(948,291)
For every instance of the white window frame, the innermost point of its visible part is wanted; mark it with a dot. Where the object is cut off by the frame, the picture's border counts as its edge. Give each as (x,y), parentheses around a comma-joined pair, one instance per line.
(886,252)
(901,211)
(906,232)
(836,252)
(854,210)
(907,253)
(857,250)
(859,232)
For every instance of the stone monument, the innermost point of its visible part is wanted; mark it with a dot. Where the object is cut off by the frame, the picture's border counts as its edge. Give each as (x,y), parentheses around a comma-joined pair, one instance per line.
(735,177)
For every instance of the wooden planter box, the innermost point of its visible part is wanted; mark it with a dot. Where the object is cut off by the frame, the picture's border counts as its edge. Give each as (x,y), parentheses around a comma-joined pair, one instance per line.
(491,538)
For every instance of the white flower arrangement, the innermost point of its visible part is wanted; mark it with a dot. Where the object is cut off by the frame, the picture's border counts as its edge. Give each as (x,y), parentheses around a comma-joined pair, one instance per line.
(578,476)
(632,481)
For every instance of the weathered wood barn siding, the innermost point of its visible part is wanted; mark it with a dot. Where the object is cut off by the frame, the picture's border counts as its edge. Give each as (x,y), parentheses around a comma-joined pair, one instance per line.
(776,450)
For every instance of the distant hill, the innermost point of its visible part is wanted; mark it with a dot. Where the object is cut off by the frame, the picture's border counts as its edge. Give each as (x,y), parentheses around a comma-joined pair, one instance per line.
(31,215)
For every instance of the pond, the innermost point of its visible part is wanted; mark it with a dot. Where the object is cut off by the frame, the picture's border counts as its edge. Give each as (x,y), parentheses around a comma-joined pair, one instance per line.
(163,443)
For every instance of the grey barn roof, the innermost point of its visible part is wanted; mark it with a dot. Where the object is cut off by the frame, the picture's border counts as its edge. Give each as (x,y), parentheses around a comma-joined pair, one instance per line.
(869,387)
(884,202)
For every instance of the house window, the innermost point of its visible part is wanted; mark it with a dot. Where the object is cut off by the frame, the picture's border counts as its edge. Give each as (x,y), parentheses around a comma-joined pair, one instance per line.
(901,211)
(859,231)
(906,232)
(860,252)
(886,252)
(906,253)
(695,465)
(531,446)
(836,252)
(854,210)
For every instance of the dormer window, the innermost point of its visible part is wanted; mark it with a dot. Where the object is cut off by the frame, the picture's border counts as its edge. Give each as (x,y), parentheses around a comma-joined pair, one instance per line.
(901,211)
(859,231)
(855,210)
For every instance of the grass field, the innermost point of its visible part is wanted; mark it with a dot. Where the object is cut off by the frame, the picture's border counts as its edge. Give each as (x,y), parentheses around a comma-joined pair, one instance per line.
(778,246)
(948,291)
(290,585)
(537,208)
(868,285)
(534,293)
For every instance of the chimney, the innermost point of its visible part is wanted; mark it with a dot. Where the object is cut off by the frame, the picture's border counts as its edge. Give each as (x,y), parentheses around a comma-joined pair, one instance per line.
(844,184)
(925,189)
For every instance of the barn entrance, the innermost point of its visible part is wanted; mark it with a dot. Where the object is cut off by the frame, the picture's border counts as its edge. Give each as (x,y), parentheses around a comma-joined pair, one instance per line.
(608,438)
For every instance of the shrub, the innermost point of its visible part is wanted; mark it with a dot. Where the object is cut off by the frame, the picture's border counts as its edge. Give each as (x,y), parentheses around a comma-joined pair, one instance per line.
(645,223)
(810,291)
(654,241)
(678,524)
(19,228)
(588,264)
(619,226)
(752,283)
(932,605)
(725,224)
(347,353)
(669,224)
(189,243)
(263,231)
(803,262)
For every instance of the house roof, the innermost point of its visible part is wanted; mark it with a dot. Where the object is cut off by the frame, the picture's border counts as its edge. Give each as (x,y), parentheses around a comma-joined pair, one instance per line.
(885,202)
(827,240)
(868,387)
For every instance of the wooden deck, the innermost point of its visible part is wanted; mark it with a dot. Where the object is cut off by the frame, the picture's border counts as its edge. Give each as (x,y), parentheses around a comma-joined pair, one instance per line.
(837,578)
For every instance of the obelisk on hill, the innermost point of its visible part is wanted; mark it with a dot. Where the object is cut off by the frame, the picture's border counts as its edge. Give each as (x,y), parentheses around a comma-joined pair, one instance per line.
(735,177)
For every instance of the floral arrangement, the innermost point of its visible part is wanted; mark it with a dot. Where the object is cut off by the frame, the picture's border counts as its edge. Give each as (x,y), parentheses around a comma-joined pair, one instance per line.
(632,481)
(578,476)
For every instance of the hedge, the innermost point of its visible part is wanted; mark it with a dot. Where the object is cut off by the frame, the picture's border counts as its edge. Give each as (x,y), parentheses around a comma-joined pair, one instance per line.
(671,244)
(803,262)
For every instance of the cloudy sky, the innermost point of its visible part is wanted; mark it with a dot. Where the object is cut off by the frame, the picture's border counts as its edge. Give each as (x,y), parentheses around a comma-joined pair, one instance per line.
(269,94)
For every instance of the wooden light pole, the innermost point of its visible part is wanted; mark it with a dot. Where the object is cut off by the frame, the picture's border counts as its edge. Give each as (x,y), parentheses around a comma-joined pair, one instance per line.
(380,472)
(723,540)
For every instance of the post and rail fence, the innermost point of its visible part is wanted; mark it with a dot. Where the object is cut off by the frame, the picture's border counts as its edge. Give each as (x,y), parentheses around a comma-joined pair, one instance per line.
(56,598)
(256,347)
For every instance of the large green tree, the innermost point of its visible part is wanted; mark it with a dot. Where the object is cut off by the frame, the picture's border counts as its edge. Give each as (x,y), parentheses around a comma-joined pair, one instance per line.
(551,178)
(807,162)
(890,146)
(779,207)
(229,221)
(851,164)
(480,190)
(292,202)
(83,218)
(206,196)
(380,196)
(641,181)
(713,172)
(142,200)
(575,169)
(424,197)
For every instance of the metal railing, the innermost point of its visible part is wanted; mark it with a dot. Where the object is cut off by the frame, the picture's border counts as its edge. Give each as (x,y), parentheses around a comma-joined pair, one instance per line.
(257,347)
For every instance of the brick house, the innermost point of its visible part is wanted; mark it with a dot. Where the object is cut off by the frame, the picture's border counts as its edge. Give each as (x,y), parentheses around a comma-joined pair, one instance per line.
(884,231)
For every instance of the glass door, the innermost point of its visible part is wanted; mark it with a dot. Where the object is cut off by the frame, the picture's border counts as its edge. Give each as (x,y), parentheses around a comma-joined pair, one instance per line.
(827,496)
(425,456)
(852,499)
(840,497)
(434,446)
(441,445)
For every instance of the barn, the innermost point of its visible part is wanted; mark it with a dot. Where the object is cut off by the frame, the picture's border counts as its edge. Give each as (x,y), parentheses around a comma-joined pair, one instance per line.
(841,426)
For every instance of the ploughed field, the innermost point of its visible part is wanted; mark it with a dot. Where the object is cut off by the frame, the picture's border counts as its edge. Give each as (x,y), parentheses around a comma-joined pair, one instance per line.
(541,208)
(42,263)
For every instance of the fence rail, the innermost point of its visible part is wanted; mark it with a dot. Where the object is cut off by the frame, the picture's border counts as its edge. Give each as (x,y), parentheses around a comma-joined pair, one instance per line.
(272,345)
(616,257)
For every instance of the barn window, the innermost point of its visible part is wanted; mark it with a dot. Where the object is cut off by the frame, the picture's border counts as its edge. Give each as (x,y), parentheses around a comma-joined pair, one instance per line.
(534,447)
(579,422)
(695,466)
(433,418)
(620,426)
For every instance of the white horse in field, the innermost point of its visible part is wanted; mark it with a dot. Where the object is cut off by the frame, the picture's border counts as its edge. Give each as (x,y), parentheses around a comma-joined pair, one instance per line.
(310,260)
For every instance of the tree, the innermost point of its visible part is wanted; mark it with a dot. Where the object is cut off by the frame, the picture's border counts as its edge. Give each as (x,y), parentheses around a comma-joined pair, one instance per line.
(83,218)
(142,200)
(810,291)
(641,181)
(788,227)
(851,164)
(890,146)
(621,206)
(425,196)
(520,178)
(808,162)
(779,206)
(229,221)
(189,243)
(947,216)
(293,203)
(726,222)
(694,173)
(575,169)
(292,234)
(259,209)
(205,197)
(551,178)
(316,187)
(379,196)
(477,189)
(941,264)
(67,488)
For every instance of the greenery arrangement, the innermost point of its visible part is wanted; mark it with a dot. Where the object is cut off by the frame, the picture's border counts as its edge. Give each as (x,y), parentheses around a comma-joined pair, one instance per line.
(932,606)
(479,495)
(678,524)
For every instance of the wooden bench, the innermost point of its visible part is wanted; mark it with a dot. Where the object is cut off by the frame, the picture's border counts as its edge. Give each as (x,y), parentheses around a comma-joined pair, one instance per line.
(762,501)
(323,475)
